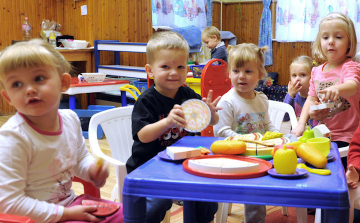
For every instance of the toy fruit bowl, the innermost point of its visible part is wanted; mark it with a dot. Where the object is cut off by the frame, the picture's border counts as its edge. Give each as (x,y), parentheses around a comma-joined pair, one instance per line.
(285,160)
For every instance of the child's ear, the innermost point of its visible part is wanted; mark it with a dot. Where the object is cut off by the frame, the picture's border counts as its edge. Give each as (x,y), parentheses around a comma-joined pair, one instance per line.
(6,96)
(65,82)
(149,70)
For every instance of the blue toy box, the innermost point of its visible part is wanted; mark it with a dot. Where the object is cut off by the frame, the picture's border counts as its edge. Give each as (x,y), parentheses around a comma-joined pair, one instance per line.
(85,116)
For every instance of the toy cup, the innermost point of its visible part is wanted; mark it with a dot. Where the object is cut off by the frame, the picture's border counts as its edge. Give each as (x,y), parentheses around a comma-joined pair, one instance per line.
(322,144)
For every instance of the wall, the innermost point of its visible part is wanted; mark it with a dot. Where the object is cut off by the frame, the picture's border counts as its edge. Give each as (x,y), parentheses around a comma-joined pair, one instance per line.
(130,21)
(244,22)
(123,20)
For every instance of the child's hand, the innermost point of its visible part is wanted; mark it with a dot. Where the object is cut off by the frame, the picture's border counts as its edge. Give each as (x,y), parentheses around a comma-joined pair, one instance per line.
(298,131)
(352,177)
(212,104)
(176,117)
(331,93)
(80,213)
(319,115)
(293,88)
(99,172)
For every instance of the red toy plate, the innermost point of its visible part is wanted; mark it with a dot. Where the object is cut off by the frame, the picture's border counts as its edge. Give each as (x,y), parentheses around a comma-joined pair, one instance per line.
(103,209)
(263,164)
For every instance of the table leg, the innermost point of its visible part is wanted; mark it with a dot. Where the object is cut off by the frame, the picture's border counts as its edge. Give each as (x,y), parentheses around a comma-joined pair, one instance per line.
(72,102)
(134,209)
(189,212)
(334,216)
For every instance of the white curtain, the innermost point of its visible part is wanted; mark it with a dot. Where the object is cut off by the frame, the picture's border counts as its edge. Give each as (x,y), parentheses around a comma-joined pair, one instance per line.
(181,13)
(298,20)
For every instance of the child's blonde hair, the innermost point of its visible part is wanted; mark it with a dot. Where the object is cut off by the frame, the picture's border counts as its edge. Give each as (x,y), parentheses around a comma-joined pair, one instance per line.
(211,31)
(305,61)
(32,53)
(348,26)
(165,40)
(247,52)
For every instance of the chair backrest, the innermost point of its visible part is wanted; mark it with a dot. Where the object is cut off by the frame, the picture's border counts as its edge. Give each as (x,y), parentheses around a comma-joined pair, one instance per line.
(277,112)
(116,124)
(214,77)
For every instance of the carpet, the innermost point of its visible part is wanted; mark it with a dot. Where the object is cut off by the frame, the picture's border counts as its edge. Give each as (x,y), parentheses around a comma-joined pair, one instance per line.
(273,215)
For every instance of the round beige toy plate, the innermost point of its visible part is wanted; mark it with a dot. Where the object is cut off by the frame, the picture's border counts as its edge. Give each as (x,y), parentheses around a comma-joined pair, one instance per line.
(197,115)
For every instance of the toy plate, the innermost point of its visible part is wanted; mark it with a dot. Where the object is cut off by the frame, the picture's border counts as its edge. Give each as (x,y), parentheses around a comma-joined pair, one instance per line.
(103,208)
(264,157)
(197,115)
(330,156)
(263,164)
(298,173)
(163,155)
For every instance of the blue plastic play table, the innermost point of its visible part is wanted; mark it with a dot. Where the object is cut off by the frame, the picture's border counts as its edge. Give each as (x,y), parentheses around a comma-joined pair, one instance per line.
(165,179)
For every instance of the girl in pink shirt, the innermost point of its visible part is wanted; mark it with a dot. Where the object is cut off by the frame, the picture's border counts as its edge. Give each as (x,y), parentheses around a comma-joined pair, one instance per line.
(337,80)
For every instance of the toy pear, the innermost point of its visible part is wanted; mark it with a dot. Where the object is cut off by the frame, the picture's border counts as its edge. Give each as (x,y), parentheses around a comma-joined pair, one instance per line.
(308,134)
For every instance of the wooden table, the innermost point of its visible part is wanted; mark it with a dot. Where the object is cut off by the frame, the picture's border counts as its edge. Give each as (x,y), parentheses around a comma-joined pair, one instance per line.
(80,55)
(83,55)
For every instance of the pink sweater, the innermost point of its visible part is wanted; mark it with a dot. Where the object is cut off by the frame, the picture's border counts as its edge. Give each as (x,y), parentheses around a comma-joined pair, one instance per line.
(344,118)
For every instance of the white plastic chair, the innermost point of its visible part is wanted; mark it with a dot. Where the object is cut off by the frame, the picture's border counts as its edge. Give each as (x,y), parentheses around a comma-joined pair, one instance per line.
(116,124)
(277,112)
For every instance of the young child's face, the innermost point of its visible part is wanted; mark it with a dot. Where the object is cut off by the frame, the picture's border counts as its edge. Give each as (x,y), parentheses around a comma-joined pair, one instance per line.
(210,42)
(245,78)
(300,74)
(169,71)
(33,91)
(334,41)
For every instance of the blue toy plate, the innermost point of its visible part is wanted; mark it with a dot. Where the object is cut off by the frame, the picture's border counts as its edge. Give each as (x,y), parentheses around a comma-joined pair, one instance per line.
(163,155)
(298,173)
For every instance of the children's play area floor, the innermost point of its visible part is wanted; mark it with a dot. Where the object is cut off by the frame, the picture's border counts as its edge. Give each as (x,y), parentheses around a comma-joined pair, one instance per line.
(274,214)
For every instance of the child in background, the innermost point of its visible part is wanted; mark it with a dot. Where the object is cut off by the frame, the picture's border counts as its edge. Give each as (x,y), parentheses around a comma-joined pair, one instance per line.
(42,147)
(243,107)
(337,80)
(158,119)
(212,38)
(298,86)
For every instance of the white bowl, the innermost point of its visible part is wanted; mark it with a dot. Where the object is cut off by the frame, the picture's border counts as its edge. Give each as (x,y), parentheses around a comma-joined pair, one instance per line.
(77,44)
(93,77)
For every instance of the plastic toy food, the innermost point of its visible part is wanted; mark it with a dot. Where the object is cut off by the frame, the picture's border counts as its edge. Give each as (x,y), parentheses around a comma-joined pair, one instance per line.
(271,135)
(103,209)
(295,145)
(315,171)
(308,134)
(228,147)
(281,147)
(285,161)
(311,155)
(223,165)
(197,115)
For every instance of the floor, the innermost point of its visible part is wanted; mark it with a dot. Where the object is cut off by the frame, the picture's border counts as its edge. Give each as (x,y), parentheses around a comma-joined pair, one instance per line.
(237,214)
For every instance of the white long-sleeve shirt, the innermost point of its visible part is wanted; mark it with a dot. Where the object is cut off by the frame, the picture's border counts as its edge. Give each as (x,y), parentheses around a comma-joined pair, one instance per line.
(36,167)
(243,116)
